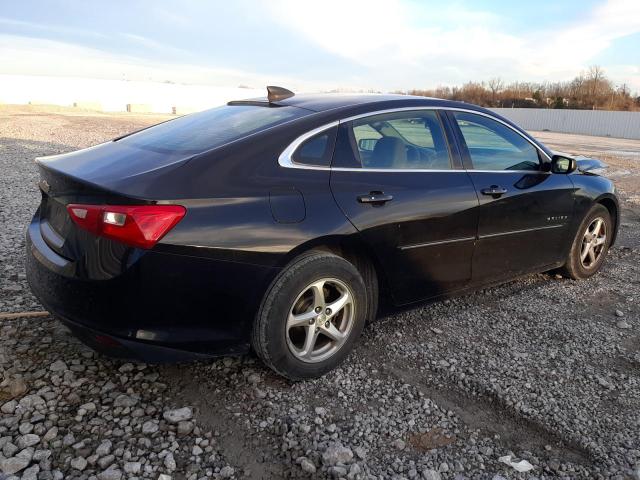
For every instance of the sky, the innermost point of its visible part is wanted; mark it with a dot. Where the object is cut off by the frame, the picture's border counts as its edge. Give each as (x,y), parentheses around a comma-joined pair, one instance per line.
(310,45)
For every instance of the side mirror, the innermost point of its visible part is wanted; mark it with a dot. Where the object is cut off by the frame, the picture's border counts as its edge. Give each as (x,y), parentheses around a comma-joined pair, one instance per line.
(560,164)
(367,144)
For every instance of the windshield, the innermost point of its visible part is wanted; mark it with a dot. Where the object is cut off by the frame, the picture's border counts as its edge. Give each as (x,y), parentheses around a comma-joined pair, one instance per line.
(202,131)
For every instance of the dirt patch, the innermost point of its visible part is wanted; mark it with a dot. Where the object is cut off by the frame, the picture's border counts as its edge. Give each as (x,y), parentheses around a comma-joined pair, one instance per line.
(434,438)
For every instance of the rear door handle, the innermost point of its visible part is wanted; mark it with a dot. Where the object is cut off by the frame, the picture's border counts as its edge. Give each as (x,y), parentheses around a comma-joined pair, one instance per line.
(376,198)
(494,190)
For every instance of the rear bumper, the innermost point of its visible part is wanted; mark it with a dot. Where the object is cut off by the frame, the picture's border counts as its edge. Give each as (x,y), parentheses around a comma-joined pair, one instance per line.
(125,349)
(162,307)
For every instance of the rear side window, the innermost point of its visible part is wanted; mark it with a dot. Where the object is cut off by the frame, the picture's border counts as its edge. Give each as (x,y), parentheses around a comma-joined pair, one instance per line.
(316,150)
(494,146)
(202,131)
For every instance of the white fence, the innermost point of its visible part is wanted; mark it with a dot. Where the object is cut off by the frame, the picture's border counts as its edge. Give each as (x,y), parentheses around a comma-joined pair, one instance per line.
(586,122)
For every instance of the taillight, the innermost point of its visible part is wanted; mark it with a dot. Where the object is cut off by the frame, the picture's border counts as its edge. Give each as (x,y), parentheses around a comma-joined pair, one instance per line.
(137,225)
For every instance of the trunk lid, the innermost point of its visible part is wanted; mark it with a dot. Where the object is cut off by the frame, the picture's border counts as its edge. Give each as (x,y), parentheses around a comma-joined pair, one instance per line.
(109,173)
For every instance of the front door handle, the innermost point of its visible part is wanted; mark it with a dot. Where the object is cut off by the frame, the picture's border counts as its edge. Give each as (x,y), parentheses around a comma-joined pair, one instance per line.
(375,198)
(494,190)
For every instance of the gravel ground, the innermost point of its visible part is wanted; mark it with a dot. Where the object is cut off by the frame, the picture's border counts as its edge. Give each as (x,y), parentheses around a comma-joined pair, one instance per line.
(543,369)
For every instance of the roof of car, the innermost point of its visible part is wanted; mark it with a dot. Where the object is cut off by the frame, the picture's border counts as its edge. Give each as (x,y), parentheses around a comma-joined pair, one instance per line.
(329,101)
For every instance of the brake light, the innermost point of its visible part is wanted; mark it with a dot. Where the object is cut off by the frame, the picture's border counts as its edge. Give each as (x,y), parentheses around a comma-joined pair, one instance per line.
(136,225)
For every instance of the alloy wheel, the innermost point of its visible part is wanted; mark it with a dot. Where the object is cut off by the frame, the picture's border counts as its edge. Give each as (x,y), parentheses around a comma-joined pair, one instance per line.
(593,243)
(320,320)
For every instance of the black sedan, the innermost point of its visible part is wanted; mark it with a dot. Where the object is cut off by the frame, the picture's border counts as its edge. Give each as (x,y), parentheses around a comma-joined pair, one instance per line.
(276,224)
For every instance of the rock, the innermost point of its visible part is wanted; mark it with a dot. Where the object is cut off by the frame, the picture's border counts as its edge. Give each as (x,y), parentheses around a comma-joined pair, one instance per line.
(227,472)
(17,387)
(196,450)
(430,474)
(337,472)
(149,427)
(360,452)
(623,324)
(25,428)
(619,313)
(170,462)
(164,476)
(88,407)
(28,440)
(253,379)
(127,367)
(307,466)
(335,454)
(9,449)
(110,474)
(31,473)
(605,383)
(185,428)
(104,448)
(321,411)
(68,440)
(125,401)
(9,407)
(58,366)
(40,455)
(14,465)
(31,401)
(399,444)
(132,467)
(106,461)
(79,463)
(178,415)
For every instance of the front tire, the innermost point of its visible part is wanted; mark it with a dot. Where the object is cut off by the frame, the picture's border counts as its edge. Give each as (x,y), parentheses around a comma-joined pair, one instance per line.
(590,245)
(311,316)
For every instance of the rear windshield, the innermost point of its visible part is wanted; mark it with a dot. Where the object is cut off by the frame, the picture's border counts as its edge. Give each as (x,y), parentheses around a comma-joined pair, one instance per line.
(202,131)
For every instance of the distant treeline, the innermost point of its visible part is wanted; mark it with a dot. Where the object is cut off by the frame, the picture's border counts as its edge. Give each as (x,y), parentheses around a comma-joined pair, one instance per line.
(588,91)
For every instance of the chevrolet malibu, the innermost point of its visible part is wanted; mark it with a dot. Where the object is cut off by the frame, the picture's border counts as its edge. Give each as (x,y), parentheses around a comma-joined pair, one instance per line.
(276,224)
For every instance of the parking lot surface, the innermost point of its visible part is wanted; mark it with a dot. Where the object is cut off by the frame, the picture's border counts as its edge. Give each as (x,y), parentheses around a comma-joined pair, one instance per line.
(543,369)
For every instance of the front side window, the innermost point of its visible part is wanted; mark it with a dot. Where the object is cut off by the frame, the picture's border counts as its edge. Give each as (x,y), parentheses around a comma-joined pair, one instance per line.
(402,140)
(494,146)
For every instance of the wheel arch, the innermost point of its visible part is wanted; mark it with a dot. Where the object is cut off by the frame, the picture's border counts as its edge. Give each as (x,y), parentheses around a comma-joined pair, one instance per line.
(611,204)
(349,247)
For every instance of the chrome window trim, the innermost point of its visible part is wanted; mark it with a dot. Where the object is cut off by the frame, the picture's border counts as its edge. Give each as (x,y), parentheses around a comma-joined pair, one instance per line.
(285,159)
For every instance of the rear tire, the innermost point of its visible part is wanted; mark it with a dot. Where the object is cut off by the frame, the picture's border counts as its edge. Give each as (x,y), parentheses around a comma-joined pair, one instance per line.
(590,245)
(296,333)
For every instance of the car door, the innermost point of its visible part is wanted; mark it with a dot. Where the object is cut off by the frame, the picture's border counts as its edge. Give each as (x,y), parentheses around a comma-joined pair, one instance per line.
(525,210)
(397,179)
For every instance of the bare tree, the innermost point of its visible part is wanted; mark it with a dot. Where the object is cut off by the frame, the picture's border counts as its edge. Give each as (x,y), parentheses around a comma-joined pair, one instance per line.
(591,89)
(495,85)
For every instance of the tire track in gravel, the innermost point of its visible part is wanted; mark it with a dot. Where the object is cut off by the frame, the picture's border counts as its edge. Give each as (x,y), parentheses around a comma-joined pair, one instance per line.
(514,432)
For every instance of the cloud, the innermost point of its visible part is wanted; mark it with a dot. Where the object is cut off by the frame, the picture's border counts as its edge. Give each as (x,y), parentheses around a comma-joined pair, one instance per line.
(34,56)
(152,44)
(50,28)
(576,44)
(389,39)
(358,44)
